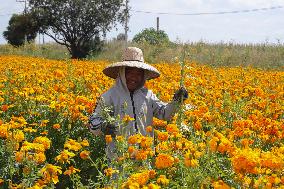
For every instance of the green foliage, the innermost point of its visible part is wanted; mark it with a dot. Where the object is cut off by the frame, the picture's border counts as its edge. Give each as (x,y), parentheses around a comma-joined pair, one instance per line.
(151,36)
(21,27)
(75,23)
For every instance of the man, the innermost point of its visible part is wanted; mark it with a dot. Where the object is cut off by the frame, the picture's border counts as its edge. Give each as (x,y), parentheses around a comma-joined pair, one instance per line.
(129,97)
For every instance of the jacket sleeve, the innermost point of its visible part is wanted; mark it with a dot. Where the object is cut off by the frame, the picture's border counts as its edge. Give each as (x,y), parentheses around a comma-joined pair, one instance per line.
(96,119)
(162,110)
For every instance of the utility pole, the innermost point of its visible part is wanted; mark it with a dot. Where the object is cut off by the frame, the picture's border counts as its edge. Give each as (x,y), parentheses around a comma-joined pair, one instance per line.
(25,12)
(158,23)
(126,22)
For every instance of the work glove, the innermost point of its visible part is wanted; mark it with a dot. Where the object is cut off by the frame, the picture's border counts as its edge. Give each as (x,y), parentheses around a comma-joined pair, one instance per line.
(180,94)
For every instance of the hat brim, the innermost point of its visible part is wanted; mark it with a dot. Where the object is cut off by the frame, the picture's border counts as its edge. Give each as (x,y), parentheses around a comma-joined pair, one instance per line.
(113,69)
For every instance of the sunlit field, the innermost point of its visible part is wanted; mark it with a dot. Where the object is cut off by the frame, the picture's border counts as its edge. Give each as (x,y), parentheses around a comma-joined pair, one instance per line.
(228,134)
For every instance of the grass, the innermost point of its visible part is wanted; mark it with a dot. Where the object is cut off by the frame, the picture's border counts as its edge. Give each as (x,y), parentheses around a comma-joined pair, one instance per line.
(264,56)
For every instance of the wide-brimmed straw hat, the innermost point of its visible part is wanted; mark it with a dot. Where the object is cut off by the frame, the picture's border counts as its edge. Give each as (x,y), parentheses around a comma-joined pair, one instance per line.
(132,57)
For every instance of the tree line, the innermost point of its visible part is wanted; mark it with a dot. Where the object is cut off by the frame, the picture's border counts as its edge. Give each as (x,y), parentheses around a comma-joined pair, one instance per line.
(77,24)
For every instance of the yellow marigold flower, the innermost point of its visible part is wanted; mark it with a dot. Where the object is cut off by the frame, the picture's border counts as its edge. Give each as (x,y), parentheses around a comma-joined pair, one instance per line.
(149,129)
(71,170)
(50,173)
(85,154)
(134,139)
(18,135)
(220,185)
(119,138)
(153,186)
(190,162)
(109,172)
(56,126)
(162,180)
(146,142)
(3,131)
(127,119)
(39,157)
(64,156)
(44,141)
(1,181)
(164,161)
(72,145)
(108,139)
(85,143)
(140,178)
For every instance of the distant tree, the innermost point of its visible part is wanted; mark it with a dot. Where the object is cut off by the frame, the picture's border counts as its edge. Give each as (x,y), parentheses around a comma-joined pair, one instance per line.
(75,23)
(151,36)
(120,37)
(21,27)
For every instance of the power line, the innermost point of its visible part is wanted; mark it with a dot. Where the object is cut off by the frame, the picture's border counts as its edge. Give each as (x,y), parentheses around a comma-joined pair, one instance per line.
(210,13)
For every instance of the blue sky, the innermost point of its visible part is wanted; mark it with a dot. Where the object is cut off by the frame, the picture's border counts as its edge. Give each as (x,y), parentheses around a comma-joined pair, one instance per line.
(250,27)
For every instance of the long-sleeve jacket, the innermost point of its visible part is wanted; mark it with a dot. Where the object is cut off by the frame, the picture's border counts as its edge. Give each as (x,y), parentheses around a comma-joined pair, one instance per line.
(142,105)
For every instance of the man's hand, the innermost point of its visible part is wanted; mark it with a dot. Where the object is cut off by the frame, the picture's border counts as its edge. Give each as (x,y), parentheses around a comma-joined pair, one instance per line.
(180,94)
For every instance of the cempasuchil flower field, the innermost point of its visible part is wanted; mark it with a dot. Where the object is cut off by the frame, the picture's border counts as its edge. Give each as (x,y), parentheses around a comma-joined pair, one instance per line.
(231,133)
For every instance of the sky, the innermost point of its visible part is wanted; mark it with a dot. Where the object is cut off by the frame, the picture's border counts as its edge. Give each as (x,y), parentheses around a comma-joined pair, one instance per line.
(263,26)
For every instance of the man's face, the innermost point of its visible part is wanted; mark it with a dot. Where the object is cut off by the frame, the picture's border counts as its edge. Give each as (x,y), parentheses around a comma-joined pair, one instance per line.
(134,78)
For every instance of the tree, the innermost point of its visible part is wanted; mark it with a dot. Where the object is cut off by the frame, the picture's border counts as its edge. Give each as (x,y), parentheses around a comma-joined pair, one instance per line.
(151,36)
(74,23)
(21,26)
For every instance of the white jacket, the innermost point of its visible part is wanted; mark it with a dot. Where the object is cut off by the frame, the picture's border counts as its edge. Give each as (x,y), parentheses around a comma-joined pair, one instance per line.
(143,105)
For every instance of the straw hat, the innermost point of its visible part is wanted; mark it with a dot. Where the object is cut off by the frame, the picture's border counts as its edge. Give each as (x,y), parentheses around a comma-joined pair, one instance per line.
(132,57)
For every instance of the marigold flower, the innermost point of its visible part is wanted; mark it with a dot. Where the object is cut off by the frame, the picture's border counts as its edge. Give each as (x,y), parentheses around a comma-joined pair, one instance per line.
(50,173)
(56,126)
(149,129)
(72,145)
(172,128)
(64,156)
(109,172)
(85,154)
(164,161)
(162,136)
(71,170)
(134,139)
(127,119)
(108,139)
(119,138)
(85,143)
(162,180)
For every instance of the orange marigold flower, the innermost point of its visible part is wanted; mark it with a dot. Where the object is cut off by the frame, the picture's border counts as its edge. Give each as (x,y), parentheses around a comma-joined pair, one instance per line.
(152,174)
(164,161)
(172,128)
(149,129)
(56,126)
(162,136)
(108,139)
(146,142)
(71,170)
(85,154)
(134,139)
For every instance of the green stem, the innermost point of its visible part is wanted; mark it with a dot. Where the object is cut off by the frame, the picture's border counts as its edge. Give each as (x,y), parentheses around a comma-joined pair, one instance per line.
(182,73)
